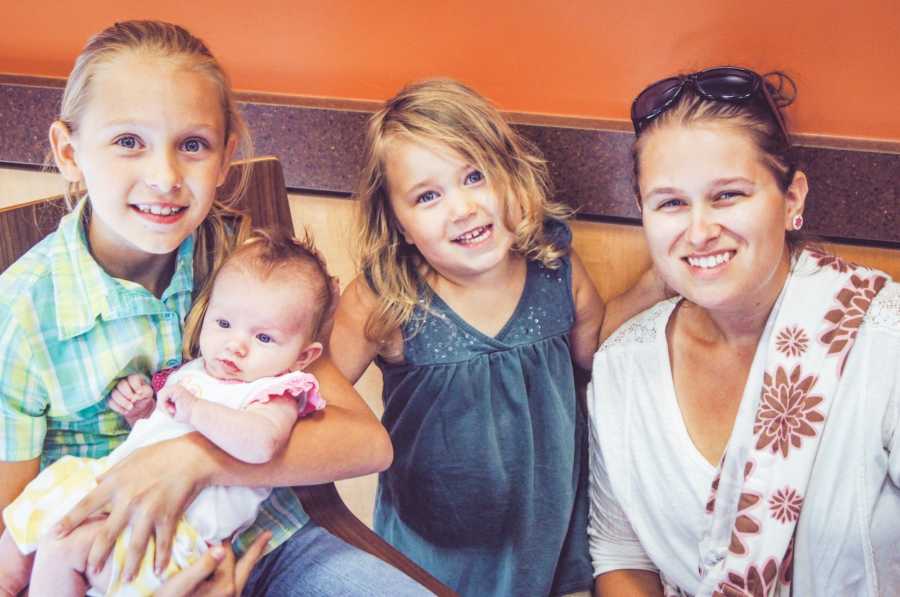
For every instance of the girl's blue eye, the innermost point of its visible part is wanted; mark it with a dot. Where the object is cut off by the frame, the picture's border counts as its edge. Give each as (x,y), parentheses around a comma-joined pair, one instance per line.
(223,323)
(264,338)
(426,197)
(474,176)
(127,142)
(193,145)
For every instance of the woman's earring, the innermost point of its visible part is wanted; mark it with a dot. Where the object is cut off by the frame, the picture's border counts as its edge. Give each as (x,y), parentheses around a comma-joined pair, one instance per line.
(797,222)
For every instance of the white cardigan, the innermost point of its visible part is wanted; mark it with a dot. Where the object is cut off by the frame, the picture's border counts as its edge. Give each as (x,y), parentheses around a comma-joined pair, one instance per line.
(649,484)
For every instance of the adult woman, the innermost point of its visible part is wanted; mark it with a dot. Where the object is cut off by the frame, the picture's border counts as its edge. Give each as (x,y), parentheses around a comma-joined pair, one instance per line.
(752,370)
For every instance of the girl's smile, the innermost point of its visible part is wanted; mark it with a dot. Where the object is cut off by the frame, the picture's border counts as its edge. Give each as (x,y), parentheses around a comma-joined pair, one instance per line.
(151,152)
(448,210)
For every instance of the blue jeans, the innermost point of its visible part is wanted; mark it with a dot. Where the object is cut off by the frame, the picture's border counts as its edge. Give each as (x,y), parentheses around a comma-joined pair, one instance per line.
(314,562)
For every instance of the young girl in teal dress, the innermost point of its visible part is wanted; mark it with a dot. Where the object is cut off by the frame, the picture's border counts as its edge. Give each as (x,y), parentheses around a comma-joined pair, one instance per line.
(474,306)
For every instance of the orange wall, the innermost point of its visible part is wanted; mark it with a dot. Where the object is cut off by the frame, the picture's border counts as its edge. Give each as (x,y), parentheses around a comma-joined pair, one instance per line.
(573,57)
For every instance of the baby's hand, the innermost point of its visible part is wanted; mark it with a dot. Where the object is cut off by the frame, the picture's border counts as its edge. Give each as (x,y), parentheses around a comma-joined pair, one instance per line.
(132,398)
(178,401)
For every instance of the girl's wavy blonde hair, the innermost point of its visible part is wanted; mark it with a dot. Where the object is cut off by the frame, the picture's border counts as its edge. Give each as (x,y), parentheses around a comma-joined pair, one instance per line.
(174,42)
(265,252)
(446,113)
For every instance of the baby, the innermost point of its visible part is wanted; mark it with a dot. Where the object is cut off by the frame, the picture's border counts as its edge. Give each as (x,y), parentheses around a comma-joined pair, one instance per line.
(253,330)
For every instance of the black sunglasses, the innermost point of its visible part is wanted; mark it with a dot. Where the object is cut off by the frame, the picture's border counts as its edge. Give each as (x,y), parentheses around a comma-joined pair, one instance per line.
(722,83)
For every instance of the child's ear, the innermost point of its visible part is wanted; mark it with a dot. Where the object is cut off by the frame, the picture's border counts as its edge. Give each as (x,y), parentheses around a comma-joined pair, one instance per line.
(230,147)
(63,148)
(308,355)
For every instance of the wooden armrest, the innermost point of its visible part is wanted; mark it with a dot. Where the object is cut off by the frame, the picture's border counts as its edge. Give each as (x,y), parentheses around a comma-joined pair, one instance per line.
(325,507)
(23,226)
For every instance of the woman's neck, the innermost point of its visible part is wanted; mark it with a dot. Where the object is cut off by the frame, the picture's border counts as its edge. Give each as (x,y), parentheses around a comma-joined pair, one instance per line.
(740,324)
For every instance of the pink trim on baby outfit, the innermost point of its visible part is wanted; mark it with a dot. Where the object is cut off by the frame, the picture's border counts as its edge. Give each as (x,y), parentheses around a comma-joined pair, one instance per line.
(299,385)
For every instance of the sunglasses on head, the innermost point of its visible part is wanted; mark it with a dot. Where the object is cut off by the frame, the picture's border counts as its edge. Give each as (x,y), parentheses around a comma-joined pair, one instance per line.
(723,84)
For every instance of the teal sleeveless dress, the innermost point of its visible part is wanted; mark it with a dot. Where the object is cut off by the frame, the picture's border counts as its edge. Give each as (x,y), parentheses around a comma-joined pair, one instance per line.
(487,490)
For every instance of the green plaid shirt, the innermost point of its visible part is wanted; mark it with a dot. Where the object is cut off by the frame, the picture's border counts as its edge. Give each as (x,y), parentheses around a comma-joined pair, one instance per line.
(68,332)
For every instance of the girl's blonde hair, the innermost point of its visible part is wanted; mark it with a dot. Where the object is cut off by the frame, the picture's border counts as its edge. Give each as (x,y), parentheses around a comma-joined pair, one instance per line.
(266,252)
(169,41)
(446,113)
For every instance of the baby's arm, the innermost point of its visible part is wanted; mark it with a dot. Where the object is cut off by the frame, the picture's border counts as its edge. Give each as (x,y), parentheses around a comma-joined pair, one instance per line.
(132,398)
(254,434)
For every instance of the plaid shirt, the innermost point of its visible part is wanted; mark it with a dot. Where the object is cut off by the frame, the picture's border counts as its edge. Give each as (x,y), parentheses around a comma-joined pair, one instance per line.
(68,332)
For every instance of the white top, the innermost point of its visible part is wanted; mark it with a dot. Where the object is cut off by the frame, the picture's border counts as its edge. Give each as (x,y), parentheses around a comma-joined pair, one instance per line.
(218,512)
(649,484)
(160,426)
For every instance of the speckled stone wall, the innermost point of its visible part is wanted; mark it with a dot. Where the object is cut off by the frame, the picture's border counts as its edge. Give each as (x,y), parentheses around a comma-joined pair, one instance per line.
(854,186)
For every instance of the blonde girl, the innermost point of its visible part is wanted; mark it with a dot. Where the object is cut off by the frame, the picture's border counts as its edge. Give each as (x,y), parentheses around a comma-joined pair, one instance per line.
(474,306)
(146,131)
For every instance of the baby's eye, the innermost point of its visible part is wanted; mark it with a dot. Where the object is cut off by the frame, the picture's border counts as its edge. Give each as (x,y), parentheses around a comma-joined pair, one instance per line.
(223,323)
(265,338)
(426,197)
(194,145)
(473,177)
(127,142)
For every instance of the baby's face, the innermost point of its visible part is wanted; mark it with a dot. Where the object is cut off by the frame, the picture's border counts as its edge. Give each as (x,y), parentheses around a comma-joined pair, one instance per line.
(256,328)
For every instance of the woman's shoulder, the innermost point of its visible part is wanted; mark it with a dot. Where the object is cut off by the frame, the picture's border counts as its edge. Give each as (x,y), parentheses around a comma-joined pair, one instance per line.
(642,330)
(884,312)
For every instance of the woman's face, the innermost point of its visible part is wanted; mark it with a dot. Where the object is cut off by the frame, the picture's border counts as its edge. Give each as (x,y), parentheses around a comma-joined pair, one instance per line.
(714,216)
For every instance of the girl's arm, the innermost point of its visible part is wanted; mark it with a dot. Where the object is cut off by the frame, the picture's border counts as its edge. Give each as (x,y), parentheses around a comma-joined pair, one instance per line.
(590,312)
(254,434)
(16,476)
(353,352)
(594,321)
(647,291)
(628,583)
(151,488)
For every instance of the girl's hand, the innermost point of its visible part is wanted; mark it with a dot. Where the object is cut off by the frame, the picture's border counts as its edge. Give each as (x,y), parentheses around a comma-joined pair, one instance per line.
(216,573)
(178,401)
(132,398)
(149,491)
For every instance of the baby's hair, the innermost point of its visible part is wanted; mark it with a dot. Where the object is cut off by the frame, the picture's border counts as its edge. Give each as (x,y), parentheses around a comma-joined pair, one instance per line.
(446,113)
(177,43)
(266,252)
